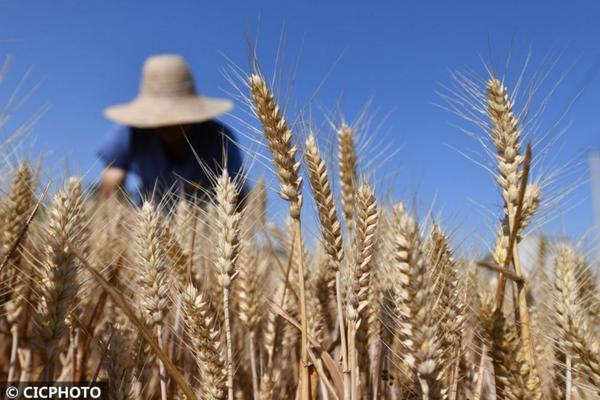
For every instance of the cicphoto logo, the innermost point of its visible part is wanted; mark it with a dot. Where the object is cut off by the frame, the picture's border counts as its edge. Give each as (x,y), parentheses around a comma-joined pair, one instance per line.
(55,390)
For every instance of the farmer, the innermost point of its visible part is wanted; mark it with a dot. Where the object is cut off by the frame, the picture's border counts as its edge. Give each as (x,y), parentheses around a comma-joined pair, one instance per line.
(167,136)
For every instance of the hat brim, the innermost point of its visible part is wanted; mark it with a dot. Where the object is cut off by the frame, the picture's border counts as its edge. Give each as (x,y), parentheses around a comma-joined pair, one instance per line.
(146,112)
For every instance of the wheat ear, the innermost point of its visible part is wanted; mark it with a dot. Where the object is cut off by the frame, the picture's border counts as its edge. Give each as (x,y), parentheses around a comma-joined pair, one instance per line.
(227,248)
(515,379)
(330,225)
(347,171)
(450,305)
(506,137)
(513,171)
(256,209)
(417,331)
(154,276)
(279,140)
(332,235)
(366,227)
(17,209)
(152,262)
(60,268)
(119,365)
(15,212)
(201,326)
(248,284)
(572,321)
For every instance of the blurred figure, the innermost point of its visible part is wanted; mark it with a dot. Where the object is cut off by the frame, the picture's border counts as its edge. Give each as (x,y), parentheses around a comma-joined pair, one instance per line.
(164,133)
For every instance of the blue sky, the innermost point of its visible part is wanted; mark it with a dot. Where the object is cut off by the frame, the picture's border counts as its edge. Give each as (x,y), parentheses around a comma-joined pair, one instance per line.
(398,53)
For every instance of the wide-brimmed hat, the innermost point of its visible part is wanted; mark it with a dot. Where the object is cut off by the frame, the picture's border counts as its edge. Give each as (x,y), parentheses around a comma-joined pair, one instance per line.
(167,97)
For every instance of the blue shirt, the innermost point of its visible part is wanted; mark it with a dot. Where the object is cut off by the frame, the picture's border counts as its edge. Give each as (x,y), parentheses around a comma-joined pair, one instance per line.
(142,152)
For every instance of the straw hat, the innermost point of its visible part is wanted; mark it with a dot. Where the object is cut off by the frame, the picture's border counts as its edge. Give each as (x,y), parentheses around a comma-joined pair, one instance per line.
(167,97)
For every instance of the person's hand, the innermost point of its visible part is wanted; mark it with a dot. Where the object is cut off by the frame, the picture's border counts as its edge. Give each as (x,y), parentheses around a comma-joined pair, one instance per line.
(112,179)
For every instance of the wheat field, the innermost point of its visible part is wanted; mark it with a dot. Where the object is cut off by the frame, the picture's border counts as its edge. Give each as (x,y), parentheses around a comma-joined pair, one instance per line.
(206,298)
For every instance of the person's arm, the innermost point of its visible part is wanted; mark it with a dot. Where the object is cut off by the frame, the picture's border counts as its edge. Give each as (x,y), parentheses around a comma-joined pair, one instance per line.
(112,179)
(116,152)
